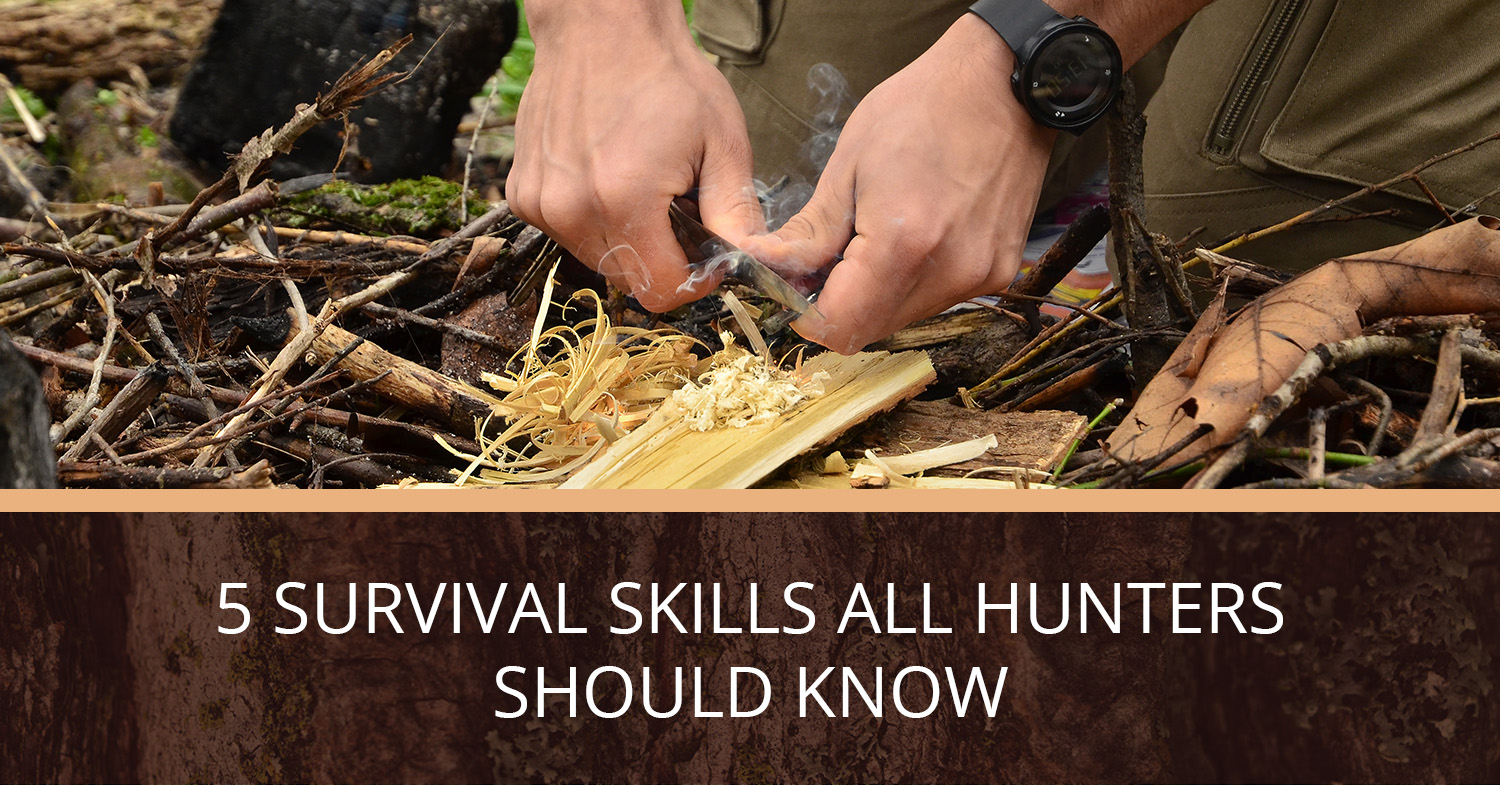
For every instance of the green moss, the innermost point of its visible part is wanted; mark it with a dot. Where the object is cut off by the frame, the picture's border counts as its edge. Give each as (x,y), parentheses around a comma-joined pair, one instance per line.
(33,105)
(411,207)
(145,137)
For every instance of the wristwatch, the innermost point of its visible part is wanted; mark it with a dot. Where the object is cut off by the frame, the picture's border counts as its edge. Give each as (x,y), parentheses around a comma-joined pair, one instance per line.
(1068,71)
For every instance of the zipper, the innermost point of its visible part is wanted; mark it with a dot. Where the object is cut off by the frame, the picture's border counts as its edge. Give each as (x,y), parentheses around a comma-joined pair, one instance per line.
(1231,121)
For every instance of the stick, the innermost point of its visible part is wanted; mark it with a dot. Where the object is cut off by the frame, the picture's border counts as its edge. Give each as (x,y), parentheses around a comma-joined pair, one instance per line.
(401,380)
(1320,359)
(128,404)
(107,301)
(92,473)
(1360,194)
(1447,384)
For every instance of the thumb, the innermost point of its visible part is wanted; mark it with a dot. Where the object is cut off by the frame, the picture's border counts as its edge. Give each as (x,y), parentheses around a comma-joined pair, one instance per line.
(726,193)
(814,237)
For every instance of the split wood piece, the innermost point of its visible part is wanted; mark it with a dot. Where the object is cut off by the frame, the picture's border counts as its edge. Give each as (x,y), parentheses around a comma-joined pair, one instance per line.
(915,463)
(128,405)
(666,453)
(1030,440)
(414,386)
(843,482)
(939,329)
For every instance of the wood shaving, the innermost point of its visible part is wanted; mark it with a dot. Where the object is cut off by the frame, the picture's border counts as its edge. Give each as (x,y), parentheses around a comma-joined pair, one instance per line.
(580,387)
(742,389)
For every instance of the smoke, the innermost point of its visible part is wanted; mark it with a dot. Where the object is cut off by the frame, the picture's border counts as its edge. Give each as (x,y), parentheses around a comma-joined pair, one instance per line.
(832,102)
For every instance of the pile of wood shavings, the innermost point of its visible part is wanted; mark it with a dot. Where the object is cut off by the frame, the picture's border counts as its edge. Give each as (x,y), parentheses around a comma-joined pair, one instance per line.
(579,387)
(743,389)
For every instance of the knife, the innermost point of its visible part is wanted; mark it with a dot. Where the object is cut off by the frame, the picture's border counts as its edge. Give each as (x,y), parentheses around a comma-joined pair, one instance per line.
(706,250)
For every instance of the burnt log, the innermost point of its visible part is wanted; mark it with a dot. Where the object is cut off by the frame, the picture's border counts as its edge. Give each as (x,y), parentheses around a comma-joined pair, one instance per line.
(265,57)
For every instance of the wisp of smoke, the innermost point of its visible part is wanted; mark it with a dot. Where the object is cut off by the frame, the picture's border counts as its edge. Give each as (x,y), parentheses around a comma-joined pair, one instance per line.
(832,102)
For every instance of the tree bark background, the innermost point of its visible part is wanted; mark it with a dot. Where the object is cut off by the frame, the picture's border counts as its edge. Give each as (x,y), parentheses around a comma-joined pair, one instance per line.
(1384,670)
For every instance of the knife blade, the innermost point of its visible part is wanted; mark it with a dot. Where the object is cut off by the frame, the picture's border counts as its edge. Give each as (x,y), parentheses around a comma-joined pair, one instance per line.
(706,250)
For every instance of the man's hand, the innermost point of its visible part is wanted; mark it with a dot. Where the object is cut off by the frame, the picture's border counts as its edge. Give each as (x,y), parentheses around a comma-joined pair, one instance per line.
(621,114)
(929,195)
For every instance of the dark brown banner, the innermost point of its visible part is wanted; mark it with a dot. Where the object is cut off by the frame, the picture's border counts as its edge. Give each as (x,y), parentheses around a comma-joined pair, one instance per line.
(533,647)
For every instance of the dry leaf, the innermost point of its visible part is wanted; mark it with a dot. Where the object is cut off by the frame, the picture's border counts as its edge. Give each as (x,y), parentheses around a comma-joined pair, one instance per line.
(1221,372)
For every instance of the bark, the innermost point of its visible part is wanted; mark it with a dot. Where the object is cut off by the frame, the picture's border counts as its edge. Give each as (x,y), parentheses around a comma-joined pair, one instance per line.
(47,45)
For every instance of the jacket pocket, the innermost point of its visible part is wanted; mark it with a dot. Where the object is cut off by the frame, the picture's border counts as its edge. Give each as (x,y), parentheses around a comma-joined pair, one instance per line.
(737,31)
(1390,85)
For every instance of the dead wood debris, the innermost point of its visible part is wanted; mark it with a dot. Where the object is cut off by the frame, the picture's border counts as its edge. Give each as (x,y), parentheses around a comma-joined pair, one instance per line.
(204,345)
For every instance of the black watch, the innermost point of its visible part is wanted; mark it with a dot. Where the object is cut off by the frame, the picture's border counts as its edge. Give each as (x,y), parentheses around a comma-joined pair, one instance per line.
(1068,71)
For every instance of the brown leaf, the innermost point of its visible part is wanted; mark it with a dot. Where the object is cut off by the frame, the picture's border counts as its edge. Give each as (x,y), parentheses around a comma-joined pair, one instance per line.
(1228,369)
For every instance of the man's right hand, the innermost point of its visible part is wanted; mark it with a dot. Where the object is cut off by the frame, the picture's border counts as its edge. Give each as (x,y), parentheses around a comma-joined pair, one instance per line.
(621,115)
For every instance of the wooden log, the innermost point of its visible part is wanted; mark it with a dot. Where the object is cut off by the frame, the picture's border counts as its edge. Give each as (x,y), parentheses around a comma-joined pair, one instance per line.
(50,44)
(407,383)
(666,453)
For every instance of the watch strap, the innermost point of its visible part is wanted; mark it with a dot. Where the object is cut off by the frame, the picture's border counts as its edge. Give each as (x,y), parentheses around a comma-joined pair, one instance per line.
(1015,20)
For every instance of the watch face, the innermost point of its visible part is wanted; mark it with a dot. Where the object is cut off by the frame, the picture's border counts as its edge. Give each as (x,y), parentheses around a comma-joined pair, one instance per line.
(1072,77)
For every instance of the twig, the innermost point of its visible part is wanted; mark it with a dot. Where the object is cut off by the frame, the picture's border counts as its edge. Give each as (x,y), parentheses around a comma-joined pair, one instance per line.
(1053,301)
(127,405)
(114,374)
(484,112)
(52,302)
(1143,468)
(1360,194)
(1075,381)
(1447,384)
(92,473)
(1317,425)
(1318,360)
(1078,440)
(191,440)
(1076,242)
(1432,197)
(33,128)
(348,238)
(107,302)
(378,311)
(1386,409)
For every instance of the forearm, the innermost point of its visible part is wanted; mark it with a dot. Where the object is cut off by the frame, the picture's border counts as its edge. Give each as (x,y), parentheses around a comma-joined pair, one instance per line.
(1136,25)
(605,21)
